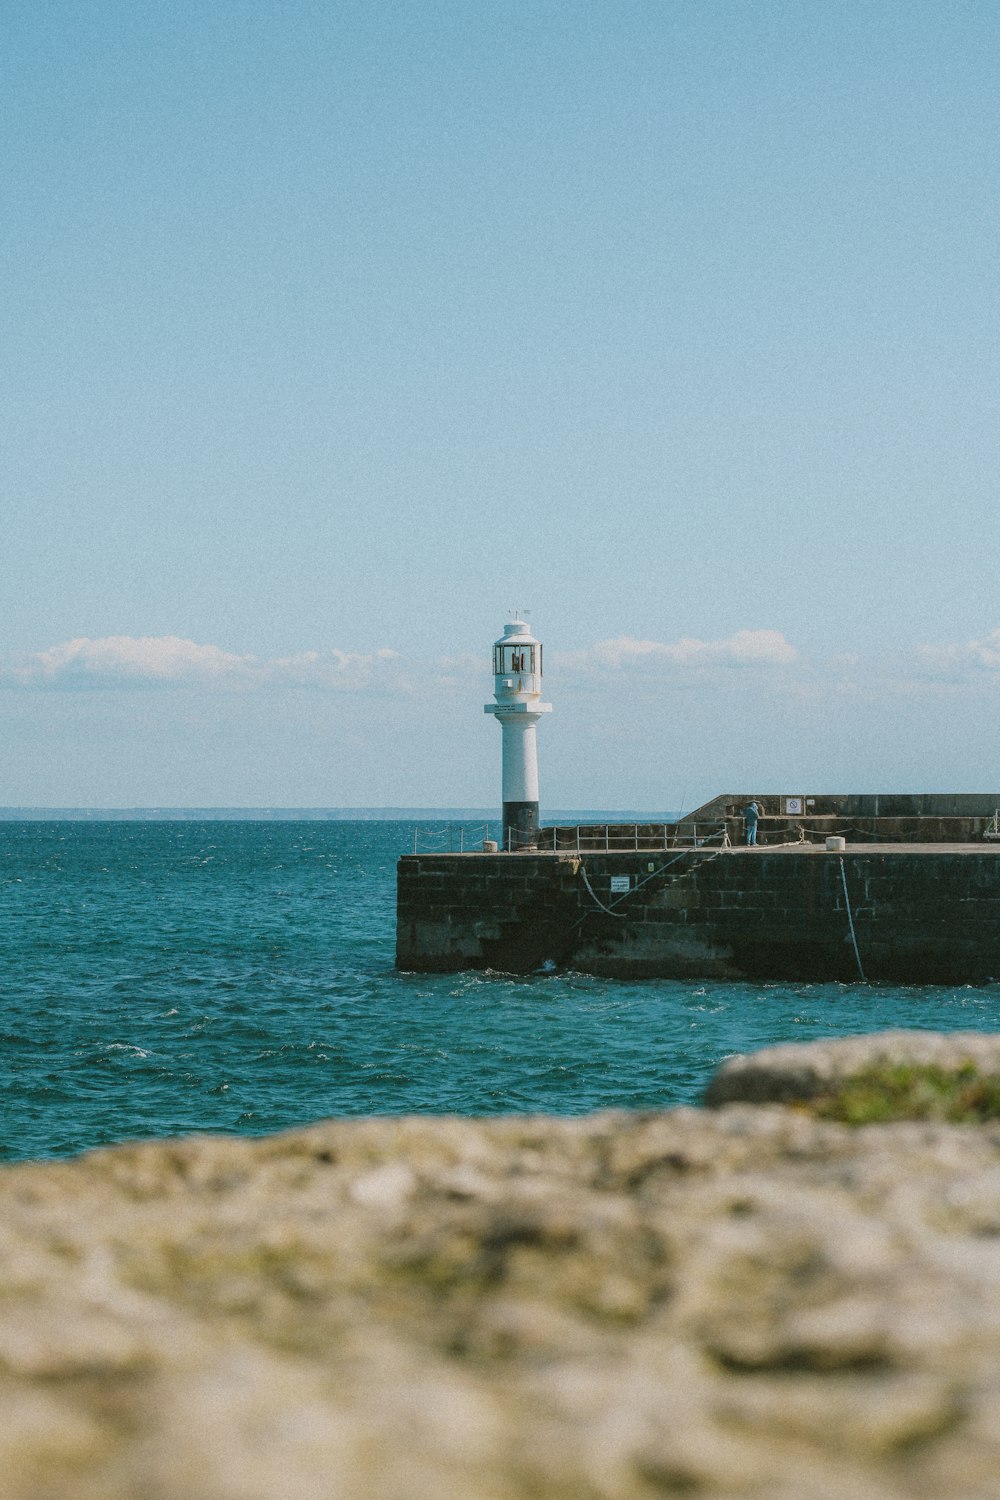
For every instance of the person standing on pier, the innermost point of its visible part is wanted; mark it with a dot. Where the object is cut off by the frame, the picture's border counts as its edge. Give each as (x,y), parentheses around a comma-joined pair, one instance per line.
(750,815)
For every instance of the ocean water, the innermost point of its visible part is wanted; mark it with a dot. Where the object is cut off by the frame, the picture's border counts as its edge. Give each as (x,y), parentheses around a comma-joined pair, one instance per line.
(164,978)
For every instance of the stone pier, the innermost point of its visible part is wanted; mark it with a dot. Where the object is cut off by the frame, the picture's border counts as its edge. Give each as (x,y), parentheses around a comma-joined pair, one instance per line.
(920,913)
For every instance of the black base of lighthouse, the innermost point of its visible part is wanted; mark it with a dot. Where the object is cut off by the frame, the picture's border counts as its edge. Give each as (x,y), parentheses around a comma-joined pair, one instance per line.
(520,825)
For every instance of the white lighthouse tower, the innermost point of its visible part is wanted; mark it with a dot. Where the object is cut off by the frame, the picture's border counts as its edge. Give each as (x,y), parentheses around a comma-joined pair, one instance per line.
(517,688)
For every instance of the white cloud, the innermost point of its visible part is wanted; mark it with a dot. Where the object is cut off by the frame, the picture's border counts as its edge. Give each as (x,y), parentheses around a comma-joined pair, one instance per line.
(746,648)
(961,659)
(121,659)
(344,670)
(170,661)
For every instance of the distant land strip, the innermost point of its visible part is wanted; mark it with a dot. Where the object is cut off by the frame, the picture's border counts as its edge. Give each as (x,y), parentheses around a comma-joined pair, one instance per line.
(311,814)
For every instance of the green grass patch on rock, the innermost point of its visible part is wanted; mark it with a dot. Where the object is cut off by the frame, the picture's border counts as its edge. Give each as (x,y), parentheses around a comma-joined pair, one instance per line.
(887,1091)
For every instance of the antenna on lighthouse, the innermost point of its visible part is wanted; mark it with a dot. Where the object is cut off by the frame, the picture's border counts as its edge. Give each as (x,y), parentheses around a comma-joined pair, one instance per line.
(517,688)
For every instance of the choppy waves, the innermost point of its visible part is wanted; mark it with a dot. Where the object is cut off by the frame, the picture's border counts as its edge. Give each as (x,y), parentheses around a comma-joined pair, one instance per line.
(162,978)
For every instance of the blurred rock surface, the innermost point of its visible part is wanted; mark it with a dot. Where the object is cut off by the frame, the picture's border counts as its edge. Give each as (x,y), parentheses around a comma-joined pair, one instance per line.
(743,1302)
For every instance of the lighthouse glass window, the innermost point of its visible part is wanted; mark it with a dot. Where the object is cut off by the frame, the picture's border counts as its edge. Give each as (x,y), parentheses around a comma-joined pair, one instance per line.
(508,660)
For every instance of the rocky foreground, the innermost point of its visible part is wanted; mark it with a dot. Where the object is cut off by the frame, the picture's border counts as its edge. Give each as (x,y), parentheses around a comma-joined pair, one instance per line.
(742,1301)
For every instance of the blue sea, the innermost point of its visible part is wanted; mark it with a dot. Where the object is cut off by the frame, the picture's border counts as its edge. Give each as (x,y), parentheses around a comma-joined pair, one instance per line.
(164,978)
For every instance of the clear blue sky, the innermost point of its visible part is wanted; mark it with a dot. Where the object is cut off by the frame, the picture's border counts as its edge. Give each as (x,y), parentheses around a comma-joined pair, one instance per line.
(332,329)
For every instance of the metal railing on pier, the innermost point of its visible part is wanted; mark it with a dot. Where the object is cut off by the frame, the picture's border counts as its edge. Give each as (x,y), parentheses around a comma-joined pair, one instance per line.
(452,838)
(619,837)
(468,838)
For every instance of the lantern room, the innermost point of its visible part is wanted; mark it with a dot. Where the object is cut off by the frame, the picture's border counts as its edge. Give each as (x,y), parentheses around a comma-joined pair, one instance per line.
(517,663)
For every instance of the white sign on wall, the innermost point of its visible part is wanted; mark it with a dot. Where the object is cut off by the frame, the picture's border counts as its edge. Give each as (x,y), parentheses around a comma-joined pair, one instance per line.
(620,884)
(795,806)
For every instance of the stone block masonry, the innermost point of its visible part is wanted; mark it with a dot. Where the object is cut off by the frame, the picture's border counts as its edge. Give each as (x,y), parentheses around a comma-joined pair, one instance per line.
(920,914)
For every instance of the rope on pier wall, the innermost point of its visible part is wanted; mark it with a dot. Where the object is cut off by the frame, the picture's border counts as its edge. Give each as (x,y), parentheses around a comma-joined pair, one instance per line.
(850,923)
(702,858)
(653,875)
(596,898)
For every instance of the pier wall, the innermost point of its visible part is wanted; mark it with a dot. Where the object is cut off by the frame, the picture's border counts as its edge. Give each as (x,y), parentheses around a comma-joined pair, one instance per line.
(864,805)
(920,916)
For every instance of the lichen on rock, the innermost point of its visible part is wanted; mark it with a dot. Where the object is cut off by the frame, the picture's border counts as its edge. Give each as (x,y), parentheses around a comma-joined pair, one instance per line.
(861,1080)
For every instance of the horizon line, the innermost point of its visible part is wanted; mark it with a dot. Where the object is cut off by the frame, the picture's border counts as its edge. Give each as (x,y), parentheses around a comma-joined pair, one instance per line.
(275,809)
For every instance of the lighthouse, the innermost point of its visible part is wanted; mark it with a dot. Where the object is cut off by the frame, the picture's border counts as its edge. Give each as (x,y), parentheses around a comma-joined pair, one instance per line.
(517,688)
